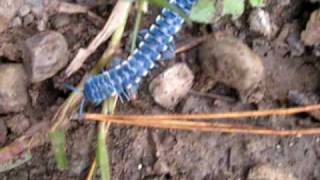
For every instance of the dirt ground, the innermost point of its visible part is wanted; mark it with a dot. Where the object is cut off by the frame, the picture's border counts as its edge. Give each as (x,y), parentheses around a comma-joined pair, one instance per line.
(140,153)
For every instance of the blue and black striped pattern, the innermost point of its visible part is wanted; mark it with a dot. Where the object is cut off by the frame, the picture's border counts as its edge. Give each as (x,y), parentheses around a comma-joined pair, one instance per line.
(124,79)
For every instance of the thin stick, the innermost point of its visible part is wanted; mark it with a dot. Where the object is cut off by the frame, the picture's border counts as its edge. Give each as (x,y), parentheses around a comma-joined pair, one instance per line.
(211,127)
(189,44)
(228,115)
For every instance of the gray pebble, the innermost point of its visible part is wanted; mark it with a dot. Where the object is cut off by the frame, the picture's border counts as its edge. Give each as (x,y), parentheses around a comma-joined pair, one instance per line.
(28,19)
(13,88)
(24,10)
(16,22)
(172,85)
(60,20)
(44,55)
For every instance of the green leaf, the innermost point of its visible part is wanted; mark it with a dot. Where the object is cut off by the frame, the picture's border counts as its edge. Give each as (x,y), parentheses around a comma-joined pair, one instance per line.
(58,142)
(167,5)
(102,155)
(257,3)
(233,7)
(203,11)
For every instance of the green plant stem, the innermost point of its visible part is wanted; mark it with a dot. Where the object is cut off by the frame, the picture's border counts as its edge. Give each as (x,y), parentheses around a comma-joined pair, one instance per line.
(137,24)
(107,108)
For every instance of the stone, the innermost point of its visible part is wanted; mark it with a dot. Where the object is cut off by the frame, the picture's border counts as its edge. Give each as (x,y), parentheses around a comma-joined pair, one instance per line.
(171,86)
(269,172)
(260,22)
(60,20)
(311,35)
(13,88)
(16,22)
(3,132)
(232,62)
(18,124)
(24,10)
(28,19)
(45,54)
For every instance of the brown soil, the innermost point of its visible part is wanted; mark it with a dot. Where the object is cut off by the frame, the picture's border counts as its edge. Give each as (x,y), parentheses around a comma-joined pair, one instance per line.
(139,153)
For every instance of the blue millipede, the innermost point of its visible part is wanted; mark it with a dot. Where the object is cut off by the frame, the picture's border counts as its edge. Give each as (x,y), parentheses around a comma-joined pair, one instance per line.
(125,78)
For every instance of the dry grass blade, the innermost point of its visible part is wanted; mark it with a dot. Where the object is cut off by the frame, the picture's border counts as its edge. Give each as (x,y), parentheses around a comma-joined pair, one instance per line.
(115,20)
(230,115)
(208,127)
(70,8)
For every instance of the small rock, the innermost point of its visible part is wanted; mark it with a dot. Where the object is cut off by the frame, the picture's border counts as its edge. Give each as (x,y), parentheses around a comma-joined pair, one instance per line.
(303,99)
(269,172)
(16,22)
(13,88)
(3,132)
(60,20)
(44,55)
(24,10)
(260,22)
(311,35)
(18,124)
(230,61)
(28,19)
(172,85)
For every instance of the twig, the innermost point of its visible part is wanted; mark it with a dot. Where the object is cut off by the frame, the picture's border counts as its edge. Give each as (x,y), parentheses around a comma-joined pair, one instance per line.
(229,115)
(189,44)
(70,8)
(208,127)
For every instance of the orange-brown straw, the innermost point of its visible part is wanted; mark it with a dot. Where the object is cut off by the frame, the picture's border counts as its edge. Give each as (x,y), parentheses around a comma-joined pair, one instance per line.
(228,115)
(180,122)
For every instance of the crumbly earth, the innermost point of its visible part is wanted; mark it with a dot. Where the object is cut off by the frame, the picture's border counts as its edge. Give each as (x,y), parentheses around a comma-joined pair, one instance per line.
(140,153)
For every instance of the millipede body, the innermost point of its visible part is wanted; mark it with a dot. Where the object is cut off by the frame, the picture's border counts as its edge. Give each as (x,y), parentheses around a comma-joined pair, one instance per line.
(124,79)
